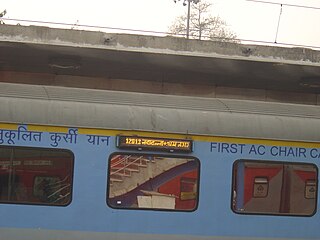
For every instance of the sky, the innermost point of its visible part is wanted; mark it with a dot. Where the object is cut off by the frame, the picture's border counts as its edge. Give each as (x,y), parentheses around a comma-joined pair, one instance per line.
(249,20)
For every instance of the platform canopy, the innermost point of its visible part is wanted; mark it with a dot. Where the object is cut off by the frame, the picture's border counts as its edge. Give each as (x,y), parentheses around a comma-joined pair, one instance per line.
(34,49)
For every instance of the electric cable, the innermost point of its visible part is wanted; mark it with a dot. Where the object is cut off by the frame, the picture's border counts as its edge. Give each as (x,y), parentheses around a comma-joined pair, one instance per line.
(284,4)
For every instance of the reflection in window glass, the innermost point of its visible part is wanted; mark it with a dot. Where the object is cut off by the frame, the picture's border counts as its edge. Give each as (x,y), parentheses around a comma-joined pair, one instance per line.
(35,176)
(278,188)
(153,182)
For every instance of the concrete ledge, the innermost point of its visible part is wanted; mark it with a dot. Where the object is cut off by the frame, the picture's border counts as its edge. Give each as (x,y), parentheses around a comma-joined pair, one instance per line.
(152,44)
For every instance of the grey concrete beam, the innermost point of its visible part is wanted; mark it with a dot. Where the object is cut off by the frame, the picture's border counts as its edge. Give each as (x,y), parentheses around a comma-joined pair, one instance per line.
(159,45)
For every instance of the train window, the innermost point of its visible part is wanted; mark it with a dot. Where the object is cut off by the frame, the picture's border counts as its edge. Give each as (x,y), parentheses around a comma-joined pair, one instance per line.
(278,188)
(138,181)
(35,176)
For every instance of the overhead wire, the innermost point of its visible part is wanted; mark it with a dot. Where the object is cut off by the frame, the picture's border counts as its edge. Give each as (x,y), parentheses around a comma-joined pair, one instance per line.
(284,4)
(275,40)
(281,9)
(80,25)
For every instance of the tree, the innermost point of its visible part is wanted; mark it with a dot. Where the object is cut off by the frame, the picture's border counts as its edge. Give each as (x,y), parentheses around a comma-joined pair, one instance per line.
(203,25)
(2,15)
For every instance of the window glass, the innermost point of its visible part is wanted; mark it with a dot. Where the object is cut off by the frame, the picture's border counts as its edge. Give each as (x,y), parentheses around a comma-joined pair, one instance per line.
(279,188)
(153,182)
(35,175)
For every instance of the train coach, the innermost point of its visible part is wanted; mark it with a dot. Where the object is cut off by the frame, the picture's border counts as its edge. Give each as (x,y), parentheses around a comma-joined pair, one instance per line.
(92,164)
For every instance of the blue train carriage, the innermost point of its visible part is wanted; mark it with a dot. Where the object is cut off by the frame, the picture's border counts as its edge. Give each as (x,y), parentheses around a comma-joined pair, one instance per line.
(89,164)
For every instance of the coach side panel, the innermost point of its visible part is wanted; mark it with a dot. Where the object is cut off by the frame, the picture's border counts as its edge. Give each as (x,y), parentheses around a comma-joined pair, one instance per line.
(71,183)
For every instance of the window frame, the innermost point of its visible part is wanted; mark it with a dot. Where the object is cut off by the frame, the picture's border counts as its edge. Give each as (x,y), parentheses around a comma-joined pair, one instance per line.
(156,154)
(233,187)
(72,160)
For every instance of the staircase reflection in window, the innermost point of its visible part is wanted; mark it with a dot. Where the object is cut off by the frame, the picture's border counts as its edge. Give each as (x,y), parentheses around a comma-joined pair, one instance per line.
(153,182)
